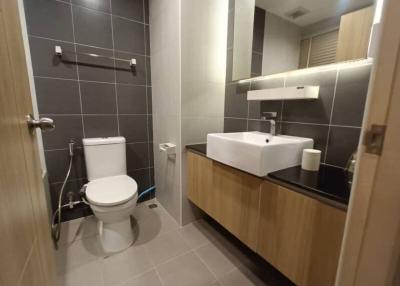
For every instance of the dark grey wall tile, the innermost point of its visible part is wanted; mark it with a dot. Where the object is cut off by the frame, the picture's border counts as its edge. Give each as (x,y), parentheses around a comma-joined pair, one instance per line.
(152,177)
(100,125)
(351,94)
(311,111)
(67,127)
(147,35)
(99,5)
(235,125)
(258,31)
(150,126)
(236,100)
(231,5)
(135,76)
(132,9)
(342,143)
(148,71)
(78,211)
(57,162)
(98,98)
(256,64)
(262,126)
(137,156)
(146,11)
(73,186)
(229,65)
(151,154)
(142,178)
(317,132)
(46,63)
(231,19)
(128,36)
(55,96)
(95,69)
(133,128)
(131,99)
(149,100)
(92,27)
(256,108)
(39,13)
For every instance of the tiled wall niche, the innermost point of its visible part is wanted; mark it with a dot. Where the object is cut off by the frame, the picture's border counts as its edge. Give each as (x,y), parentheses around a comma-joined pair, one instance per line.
(90,97)
(333,120)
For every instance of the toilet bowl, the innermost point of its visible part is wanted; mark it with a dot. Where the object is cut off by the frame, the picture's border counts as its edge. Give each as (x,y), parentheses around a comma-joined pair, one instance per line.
(111,193)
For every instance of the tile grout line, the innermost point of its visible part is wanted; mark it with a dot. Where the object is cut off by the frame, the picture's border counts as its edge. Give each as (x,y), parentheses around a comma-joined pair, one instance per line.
(248,110)
(207,267)
(77,72)
(86,45)
(90,81)
(282,108)
(115,71)
(330,116)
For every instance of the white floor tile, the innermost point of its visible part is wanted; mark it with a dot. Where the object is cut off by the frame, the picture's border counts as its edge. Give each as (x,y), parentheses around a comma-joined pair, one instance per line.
(166,246)
(217,261)
(78,253)
(148,279)
(194,235)
(185,270)
(151,223)
(87,274)
(120,267)
(77,229)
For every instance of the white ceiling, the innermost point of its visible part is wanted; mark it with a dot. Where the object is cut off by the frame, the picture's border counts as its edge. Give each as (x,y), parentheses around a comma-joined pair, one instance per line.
(319,9)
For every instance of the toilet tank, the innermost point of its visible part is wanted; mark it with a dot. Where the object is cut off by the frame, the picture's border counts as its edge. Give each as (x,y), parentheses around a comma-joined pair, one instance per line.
(104,157)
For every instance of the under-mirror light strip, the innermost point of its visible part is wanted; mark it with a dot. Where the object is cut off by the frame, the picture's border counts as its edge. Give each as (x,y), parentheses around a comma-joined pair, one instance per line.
(342,65)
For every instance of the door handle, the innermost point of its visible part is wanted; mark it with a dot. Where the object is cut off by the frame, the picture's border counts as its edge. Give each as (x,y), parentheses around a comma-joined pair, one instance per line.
(44,123)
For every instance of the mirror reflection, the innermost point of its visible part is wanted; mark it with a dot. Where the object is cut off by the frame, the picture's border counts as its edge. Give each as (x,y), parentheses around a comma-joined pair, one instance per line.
(272,36)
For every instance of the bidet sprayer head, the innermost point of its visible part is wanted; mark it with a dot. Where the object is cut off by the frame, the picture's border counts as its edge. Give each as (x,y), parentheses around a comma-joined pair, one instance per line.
(71,147)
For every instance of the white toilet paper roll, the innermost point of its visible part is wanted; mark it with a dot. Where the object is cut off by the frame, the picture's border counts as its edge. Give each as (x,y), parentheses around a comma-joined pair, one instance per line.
(311,159)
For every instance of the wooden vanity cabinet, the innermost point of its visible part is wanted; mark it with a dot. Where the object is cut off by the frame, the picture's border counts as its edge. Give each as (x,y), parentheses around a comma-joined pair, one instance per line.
(228,195)
(299,235)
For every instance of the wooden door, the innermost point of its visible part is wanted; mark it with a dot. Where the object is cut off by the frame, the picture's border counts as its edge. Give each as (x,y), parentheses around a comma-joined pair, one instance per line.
(371,246)
(26,255)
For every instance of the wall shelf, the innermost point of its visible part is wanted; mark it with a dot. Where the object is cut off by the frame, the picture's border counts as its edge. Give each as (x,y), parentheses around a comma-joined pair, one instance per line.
(285,93)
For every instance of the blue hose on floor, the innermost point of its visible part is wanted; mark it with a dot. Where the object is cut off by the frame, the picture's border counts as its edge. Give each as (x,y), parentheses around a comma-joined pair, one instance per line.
(145,192)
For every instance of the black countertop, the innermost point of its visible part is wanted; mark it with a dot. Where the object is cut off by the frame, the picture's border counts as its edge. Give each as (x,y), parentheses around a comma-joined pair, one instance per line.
(329,182)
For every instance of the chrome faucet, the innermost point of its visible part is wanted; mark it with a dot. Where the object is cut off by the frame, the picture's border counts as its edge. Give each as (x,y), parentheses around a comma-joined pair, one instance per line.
(268,116)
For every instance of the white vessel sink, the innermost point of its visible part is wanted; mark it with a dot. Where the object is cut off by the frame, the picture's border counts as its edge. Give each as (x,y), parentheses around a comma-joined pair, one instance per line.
(255,152)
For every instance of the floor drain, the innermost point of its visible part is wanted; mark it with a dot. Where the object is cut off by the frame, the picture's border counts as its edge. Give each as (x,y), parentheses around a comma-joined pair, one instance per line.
(152,206)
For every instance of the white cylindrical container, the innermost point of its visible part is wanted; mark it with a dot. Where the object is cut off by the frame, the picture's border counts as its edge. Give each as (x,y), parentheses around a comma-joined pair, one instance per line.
(311,159)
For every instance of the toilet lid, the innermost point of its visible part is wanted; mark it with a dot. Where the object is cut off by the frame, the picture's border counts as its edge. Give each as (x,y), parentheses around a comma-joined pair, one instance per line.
(111,191)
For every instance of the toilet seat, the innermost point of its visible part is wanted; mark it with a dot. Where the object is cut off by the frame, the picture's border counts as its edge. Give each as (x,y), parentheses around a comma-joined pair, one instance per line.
(111,191)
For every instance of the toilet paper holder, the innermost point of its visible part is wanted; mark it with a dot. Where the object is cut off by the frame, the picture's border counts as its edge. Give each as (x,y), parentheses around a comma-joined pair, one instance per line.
(168,148)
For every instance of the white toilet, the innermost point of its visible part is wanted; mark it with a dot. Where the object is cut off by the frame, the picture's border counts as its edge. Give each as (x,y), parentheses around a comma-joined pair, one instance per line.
(111,193)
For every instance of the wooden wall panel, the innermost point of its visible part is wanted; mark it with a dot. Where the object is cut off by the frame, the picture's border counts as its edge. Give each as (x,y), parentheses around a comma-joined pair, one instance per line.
(354,34)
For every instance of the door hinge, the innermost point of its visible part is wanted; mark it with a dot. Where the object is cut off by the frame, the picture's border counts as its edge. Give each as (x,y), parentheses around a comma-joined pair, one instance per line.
(374,139)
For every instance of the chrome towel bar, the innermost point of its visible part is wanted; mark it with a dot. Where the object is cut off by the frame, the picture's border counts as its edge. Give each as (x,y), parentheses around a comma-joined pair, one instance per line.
(59,52)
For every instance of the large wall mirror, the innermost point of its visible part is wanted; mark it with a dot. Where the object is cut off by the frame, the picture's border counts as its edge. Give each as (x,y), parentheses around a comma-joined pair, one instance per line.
(272,36)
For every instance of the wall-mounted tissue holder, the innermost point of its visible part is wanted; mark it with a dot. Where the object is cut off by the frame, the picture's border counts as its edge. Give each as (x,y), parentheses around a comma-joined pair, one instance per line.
(285,93)
(168,148)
